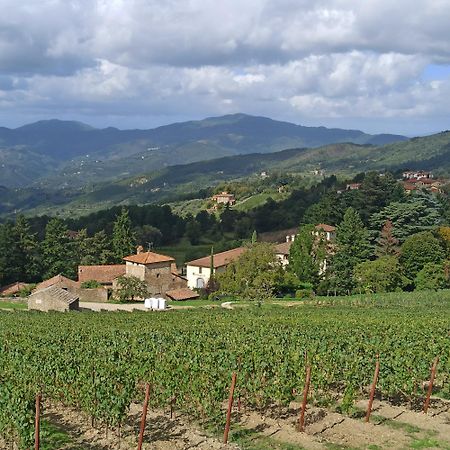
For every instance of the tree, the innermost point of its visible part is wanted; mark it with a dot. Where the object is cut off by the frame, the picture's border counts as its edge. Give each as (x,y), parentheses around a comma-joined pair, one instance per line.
(387,244)
(95,249)
(307,254)
(10,263)
(418,250)
(123,241)
(58,254)
(148,234)
(129,288)
(420,213)
(212,285)
(193,231)
(382,275)
(254,275)
(432,276)
(352,242)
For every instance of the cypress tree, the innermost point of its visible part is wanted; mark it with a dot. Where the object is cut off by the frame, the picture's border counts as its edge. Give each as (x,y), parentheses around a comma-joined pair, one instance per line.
(123,241)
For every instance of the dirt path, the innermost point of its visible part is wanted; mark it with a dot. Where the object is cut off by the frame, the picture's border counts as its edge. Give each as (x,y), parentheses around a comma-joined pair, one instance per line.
(162,432)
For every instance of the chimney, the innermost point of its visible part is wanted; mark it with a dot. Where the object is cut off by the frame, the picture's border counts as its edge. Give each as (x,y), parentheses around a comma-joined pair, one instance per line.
(287,238)
(139,249)
(293,238)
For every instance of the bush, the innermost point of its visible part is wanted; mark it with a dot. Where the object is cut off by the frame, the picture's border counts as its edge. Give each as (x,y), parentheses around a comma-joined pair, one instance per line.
(304,293)
(432,276)
(91,284)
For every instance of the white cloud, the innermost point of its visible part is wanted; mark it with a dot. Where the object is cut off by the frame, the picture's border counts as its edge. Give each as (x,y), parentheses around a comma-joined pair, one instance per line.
(327,60)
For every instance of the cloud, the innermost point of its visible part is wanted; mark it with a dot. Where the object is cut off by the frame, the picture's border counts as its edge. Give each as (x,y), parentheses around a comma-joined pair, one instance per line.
(311,62)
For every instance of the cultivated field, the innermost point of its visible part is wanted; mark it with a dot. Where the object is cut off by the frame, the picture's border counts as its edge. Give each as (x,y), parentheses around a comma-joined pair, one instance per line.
(91,369)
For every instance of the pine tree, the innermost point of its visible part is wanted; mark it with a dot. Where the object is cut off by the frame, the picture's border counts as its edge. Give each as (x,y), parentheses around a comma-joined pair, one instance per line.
(352,241)
(27,248)
(10,262)
(123,241)
(254,237)
(58,254)
(388,244)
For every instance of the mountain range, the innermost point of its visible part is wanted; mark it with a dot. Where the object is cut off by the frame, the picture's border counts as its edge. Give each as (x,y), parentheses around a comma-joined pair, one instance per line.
(72,154)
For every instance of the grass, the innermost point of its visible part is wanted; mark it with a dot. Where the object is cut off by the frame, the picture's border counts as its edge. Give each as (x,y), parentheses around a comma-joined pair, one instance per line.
(258,200)
(5,304)
(194,303)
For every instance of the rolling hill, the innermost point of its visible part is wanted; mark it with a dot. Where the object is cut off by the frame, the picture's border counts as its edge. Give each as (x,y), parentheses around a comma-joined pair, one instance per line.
(73,154)
(171,183)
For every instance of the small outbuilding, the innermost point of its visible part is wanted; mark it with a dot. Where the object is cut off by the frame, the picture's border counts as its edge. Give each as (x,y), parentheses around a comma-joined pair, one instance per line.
(53,298)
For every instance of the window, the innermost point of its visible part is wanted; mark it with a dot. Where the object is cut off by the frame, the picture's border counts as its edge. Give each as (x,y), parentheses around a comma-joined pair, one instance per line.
(200,269)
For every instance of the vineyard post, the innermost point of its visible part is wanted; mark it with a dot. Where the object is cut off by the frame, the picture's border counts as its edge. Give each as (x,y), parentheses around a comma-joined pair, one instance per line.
(301,421)
(37,422)
(230,406)
(144,416)
(430,385)
(372,389)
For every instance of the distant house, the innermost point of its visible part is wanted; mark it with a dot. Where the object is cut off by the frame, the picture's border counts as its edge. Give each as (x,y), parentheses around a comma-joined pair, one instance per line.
(102,274)
(329,230)
(59,281)
(53,298)
(13,289)
(353,186)
(224,198)
(282,252)
(416,175)
(198,271)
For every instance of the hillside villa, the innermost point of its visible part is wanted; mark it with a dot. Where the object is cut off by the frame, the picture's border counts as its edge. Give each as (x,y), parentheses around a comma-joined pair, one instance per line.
(224,198)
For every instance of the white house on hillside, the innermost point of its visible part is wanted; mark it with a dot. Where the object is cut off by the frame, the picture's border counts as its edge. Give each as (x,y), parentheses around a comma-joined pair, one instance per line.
(198,271)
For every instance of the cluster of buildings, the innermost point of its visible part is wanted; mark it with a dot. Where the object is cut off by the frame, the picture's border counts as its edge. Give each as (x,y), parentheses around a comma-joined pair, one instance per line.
(97,283)
(419,179)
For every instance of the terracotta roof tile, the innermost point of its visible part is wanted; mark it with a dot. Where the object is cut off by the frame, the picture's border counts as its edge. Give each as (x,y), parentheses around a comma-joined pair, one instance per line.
(104,274)
(220,259)
(57,279)
(13,288)
(325,227)
(148,258)
(283,248)
(182,294)
(60,294)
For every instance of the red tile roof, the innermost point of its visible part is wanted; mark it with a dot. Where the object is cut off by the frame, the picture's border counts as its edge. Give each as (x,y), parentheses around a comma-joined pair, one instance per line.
(12,289)
(325,227)
(182,294)
(148,258)
(220,259)
(283,248)
(104,274)
(58,280)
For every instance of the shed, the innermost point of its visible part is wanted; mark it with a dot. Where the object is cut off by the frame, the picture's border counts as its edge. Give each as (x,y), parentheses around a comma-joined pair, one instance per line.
(182,294)
(53,298)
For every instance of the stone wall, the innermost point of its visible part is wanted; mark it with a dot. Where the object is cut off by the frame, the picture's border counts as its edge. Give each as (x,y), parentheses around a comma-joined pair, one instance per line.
(99,295)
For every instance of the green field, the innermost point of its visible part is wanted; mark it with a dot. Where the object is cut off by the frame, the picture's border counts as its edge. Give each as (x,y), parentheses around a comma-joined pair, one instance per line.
(98,362)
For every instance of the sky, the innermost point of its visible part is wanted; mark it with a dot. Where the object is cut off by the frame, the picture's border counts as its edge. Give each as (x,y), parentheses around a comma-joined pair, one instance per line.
(375,65)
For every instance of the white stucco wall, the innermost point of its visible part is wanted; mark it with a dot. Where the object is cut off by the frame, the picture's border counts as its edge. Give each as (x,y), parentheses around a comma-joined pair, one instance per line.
(193,274)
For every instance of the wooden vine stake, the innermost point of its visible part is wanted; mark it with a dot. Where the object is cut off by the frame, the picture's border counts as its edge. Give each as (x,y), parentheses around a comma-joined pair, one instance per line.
(301,420)
(372,389)
(37,422)
(430,385)
(144,416)
(230,406)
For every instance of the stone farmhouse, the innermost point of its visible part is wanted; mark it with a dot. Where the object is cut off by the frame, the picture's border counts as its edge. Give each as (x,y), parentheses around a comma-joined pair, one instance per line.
(224,198)
(53,298)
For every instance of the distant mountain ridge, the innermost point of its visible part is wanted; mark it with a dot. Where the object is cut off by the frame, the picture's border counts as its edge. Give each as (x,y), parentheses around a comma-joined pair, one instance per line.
(75,154)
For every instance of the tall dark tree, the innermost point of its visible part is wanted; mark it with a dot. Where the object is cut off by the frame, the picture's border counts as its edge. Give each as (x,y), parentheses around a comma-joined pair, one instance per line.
(58,255)
(123,242)
(10,260)
(353,247)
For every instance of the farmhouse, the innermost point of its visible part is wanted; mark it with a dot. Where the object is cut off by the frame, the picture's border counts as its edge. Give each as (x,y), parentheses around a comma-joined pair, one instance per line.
(198,271)
(158,271)
(53,298)
(282,252)
(59,281)
(224,198)
(102,274)
(328,230)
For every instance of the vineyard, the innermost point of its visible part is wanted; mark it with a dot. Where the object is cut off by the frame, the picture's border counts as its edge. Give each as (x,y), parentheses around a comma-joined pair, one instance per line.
(99,362)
